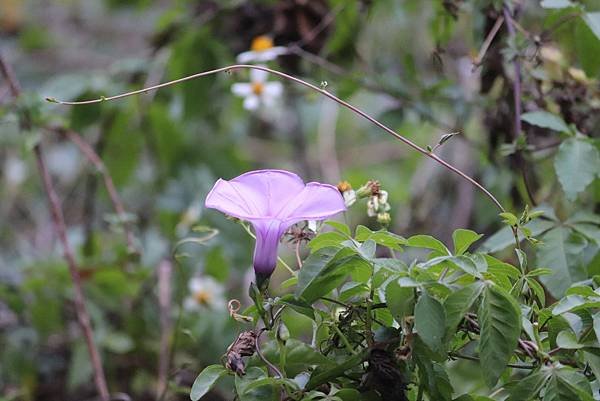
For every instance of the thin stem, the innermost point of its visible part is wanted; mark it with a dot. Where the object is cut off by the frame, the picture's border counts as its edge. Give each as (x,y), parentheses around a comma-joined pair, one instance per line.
(487,42)
(83,316)
(510,25)
(96,161)
(298,258)
(369,318)
(323,92)
(344,339)
(262,357)
(335,301)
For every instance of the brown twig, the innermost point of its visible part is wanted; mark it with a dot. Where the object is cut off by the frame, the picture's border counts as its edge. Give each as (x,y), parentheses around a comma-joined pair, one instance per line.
(96,161)
(83,317)
(487,42)
(517,105)
(299,81)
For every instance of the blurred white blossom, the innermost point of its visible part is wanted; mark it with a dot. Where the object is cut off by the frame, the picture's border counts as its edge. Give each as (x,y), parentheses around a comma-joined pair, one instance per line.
(205,292)
(258,92)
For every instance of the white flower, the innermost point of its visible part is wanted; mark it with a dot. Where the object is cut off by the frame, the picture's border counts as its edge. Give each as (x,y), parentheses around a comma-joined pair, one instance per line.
(261,51)
(205,292)
(258,91)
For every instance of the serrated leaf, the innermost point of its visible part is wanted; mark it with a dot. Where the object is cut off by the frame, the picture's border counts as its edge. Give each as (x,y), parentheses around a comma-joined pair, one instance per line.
(430,322)
(545,119)
(500,321)
(577,163)
(206,380)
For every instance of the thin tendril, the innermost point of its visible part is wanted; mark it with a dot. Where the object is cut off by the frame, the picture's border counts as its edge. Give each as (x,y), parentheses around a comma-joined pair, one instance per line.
(308,85)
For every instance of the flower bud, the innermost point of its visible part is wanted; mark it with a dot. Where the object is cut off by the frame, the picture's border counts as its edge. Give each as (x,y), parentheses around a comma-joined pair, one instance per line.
(283,334)
(371,188)
(384,219)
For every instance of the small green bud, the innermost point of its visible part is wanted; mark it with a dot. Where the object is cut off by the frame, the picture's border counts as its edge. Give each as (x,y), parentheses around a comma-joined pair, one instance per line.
(283,334)
(384,219)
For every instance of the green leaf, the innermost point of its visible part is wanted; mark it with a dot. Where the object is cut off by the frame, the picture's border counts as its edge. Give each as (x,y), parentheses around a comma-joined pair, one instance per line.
(559,388)
(586,47)
(206,380)
(458,304)
(545,119)
(400,300)
(577,163)
(561,251)
(463,239)
(297,304)
(592,20)
(567,304)
(428,242)
(596,322)
(500,320)
(381,237)
(331,239)
(528,387)
(341,227)
(568,340)
(430,322)
(244,390)
(325,269)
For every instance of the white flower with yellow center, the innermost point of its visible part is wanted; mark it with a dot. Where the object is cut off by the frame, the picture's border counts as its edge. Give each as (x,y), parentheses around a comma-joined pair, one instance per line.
(258,92)
(205,292)
(261,51)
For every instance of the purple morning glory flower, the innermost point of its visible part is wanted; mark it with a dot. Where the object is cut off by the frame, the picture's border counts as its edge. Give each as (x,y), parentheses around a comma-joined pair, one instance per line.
(272,201)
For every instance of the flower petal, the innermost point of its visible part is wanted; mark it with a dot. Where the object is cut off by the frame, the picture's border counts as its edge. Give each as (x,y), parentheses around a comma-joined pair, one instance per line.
(258,76)
(251,102)
(246,57)
(255,195)
(271,91)
(241,89)
(195,285)
(315,202)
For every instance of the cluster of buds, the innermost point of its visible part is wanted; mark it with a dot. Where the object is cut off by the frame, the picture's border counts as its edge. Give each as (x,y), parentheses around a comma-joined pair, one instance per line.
(377,204)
